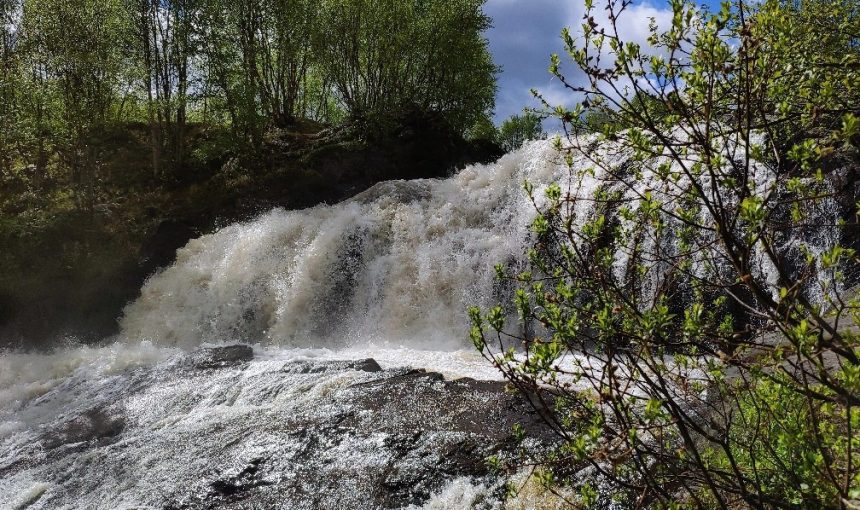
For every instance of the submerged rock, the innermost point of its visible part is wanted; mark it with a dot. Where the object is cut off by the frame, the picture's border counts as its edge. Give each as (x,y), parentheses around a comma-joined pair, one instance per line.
(220,357)
(221,429)
(95,425)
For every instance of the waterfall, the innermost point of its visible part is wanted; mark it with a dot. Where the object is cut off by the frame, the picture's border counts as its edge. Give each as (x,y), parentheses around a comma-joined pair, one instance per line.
(388,275)
(398,264)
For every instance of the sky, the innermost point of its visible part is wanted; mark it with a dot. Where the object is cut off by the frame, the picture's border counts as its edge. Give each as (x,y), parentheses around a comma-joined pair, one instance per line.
(526,32)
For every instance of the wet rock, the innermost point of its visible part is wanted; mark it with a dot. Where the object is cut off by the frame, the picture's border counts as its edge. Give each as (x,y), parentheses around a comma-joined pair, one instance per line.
(234,485)
(96,425)
(220,357)
(221,430)
(325,366)
(367,365)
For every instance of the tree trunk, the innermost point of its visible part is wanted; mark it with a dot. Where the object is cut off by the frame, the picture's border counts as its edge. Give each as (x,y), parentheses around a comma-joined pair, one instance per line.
(154,138)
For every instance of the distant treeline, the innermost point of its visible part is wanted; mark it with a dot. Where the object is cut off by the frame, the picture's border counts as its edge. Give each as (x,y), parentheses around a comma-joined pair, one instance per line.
(73,70)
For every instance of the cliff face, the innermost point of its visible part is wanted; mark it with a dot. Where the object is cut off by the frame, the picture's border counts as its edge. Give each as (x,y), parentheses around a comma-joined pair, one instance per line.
(65,272)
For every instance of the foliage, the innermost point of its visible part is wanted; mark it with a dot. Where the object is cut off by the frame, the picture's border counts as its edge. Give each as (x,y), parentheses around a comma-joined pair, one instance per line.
(166,39)
(260,59)
(787,444)
(681,372)
(387,57)
(8,82)
(517,130)
(76,68)
(71,70)
(483,130)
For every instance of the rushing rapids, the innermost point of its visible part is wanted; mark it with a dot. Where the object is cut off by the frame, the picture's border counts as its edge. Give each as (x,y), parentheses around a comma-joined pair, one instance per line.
(303,419)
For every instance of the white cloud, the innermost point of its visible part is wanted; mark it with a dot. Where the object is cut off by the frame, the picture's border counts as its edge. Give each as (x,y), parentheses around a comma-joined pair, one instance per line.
(526,33)
(633,23)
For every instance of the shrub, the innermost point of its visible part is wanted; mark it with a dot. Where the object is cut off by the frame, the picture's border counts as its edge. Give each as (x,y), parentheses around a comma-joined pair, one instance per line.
(385,58)
(517,130)
(720,372)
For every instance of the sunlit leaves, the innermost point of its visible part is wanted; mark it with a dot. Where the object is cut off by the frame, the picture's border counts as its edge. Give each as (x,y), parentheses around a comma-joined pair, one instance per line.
(753,210)
(384,57)
(518,129)
(496,318)
(685,271)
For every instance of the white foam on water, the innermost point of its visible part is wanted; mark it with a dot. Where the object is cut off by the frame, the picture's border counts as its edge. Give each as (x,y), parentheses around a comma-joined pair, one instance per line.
(181,424)
(387,275)
(462,494)
(27,376)
(398,265)
(29,496)
(451,364)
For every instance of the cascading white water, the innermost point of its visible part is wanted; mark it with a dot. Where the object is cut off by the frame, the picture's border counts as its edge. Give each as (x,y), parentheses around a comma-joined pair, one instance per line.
(398,265)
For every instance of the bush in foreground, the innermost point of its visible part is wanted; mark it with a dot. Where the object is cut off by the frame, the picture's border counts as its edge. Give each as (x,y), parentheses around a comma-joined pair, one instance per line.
(724,359)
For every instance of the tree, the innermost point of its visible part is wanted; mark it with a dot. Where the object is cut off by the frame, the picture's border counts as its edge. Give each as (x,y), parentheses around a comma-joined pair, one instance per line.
(279,33)
(167,42)
(78,63)
(385,58)
(517,130)
(722,371)
(9,13)
(74,69)
(483,130)
(260,62)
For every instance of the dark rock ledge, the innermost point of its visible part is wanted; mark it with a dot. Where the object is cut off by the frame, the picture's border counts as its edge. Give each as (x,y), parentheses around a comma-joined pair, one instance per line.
(218,429)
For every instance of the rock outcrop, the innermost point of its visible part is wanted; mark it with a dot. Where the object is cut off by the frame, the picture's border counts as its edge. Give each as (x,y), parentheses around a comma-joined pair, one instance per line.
(220,428)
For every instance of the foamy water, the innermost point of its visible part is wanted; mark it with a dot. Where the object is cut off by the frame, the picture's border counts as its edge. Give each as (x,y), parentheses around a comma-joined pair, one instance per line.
(182,426)
(397,265)
(387,275)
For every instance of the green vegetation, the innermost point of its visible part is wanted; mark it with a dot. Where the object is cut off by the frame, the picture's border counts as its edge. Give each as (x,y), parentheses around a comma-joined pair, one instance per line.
(517,130)
(708,385)
(511,134)
(75,71)
(384,57)
(118,115)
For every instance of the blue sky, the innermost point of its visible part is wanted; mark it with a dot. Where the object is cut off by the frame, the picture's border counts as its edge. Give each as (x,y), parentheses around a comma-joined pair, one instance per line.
(526,32)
